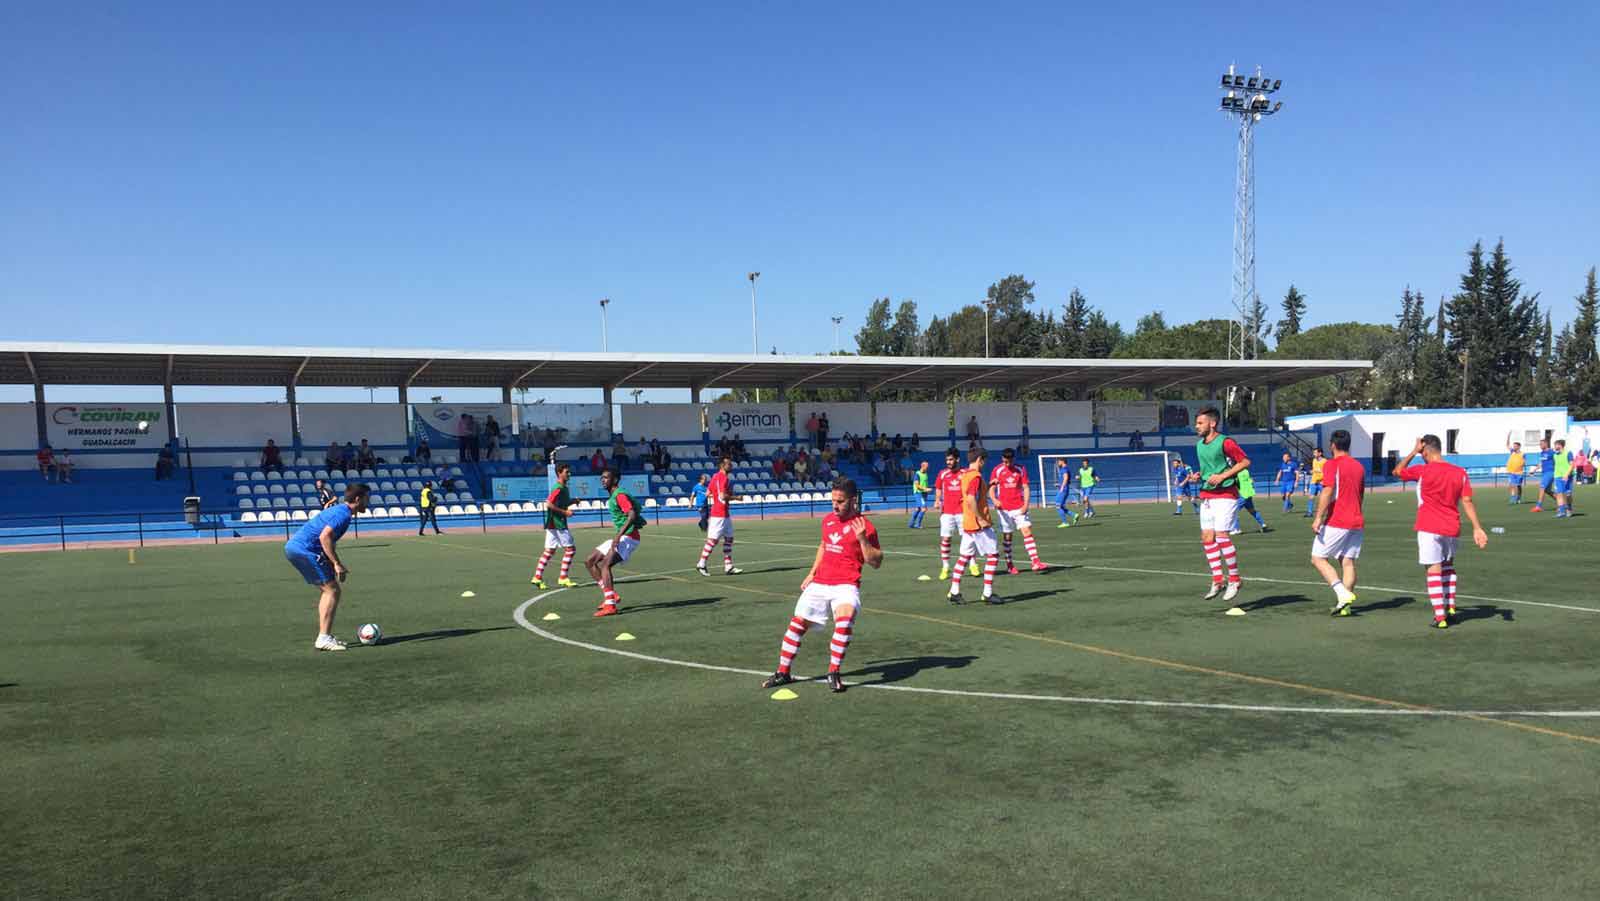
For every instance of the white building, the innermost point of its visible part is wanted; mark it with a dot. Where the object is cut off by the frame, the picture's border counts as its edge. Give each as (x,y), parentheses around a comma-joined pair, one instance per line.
(1472,437)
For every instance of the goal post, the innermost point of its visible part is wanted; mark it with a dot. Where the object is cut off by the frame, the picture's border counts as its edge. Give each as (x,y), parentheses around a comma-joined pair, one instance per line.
(1148,470)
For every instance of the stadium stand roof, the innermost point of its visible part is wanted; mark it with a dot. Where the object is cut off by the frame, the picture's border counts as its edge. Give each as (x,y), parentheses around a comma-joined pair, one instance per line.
(359,367)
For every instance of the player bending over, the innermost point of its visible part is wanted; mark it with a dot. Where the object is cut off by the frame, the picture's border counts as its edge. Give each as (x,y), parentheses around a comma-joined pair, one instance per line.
(557,507)
(1008,489)
(1441,486)
(629,519)
(977,534)
(1221,460)
(1064,495)
(1182,484)
(833,585)
(1286,477)
(1338,524)
(921,493)
(314,554)
(719,526)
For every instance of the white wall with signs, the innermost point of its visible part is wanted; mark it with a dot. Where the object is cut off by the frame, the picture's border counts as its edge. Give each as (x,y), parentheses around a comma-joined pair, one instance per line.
(380,424)
(108,427)
(246,426)
(572,423)
(993,419)
(1128,416)
(931,421)
(440,421)
(1060,417)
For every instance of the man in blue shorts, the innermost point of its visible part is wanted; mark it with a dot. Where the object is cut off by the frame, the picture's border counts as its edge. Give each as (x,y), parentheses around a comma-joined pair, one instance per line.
(1086,482)
(1063,495)
(313,554)
(1183,486)
(1547,474)
(1286,476)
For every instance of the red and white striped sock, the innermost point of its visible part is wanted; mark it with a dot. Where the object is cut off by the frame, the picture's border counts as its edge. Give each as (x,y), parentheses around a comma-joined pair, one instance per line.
(841,642)
(1031,547)
(1448,572)
(955,574)
(566,560)
(1009,561)
(727,552)
(538,571)
(705,552)
(1214,560)
(1230,557)
(990,563)
(609,596)
(791,643)
(944,553)
(1436,593)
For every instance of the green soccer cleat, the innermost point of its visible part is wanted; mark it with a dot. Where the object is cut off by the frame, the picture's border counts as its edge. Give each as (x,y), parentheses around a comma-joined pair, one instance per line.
(567,583)
(972,568)
(944,573)
(1450,610)
(1441,624)
(538,583)
(1065,525)
(1341,609)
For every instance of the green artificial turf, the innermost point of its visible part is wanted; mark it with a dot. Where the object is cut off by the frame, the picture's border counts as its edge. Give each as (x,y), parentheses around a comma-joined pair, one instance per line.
(166,729)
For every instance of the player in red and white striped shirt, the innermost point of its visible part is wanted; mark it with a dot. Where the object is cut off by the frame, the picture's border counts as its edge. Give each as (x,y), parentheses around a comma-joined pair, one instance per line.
(720,524)
(1008,489)
(1338,523)
(833,586)
(1441,486)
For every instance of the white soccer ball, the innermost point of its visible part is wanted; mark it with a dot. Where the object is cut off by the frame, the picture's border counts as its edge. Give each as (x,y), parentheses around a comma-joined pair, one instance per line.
(370,633)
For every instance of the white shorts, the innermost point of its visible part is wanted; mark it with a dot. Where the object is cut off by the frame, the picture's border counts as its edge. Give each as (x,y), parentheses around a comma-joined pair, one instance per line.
(1219,514)
(1433,548)
(1014,520)
(817,601)
(1334,543)
(949,525)
(554,538)
(625,548)
(719,527)
(978,544)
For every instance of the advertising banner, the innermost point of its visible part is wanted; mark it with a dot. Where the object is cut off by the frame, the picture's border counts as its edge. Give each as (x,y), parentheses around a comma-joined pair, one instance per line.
(441,423)
(668,422)
(571,423)
(1060,417)
(1129,416)
(583,488)
(751,422)
(106,426)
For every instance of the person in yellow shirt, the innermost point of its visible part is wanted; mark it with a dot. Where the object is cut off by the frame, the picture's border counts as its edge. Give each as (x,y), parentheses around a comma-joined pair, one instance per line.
(977,532)
(428,509)
(1516,467)
(1317,462)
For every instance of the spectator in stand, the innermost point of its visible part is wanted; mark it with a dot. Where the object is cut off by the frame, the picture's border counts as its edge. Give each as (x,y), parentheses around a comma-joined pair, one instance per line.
(47,462)
(664,462)
(813,427)
(424,453)
(1137,441)
(802,469)
(619,454)
(902,466)
(779,469)
(271,458)
(463,433)
(740,452)
(1581,465)
(898,442)
(641,452)
(822,430)
(366,458)
(824,471)
(916,443)
(858,451)
(347,459)
(974,434)
(491,436)
(334,457)
(64,465)
(165,463)
(880,468)
(597,463)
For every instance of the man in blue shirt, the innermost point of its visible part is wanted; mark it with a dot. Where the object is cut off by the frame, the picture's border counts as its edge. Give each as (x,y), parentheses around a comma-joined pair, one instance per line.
(1547,474)
(1183,487)
(313,554)
(698,492)
(1287,473)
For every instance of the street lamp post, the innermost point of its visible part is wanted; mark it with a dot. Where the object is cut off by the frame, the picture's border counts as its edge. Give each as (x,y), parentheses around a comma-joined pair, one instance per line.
(604,344)
(755,344)
(836,321)
(988,304)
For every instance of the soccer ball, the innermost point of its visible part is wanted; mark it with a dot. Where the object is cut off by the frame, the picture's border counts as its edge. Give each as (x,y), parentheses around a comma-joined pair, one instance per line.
(370,633)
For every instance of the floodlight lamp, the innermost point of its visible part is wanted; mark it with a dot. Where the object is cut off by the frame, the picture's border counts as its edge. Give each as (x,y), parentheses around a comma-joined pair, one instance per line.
(1252,82)
(1258,117)
(1277,106)
(1226,79)
(1238,81)
(1277,83)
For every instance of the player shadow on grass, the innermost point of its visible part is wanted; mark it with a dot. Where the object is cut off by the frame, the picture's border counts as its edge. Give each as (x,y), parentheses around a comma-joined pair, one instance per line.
(1484,611)
(896,669)
(1390,604)
(437,634)
(668,605)
(1009,599)
(1275,600)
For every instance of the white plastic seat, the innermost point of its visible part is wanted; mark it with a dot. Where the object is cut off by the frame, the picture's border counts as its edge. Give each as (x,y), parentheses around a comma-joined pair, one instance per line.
(379,512)
(274,476)
(308,488)
(299,515)
(368,474)
(385,486)
(469,508)
(651,502)
(274,489)
(257,475)
(409,511)
(246,503)
(456,471)
(259,489)
(769,498)
(242,490)
(416,486)
(292,488)
(301,461)
(241,477)
(280,516)
(247,516)
(501,508)
(396,511)
(451,496)
(453,510)
(467,496)
(279,503)
(664,491)
(411,472)
(408,498)
(321,474)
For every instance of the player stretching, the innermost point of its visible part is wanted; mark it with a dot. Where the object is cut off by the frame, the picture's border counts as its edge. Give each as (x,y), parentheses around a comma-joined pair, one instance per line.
(949,487)
(1008,489)
(1064,495)
(629,519)
(832,586)
(1183,485)
(1516,463)
(1247,498)
(1286,476)
(1547,474)
(557,507)
(313,553)
(1561,487)
(922,493)
(1315,489)
(977,534)
(1086,483)
(1338,523)
(1440,487)
(720,524)
(1221,460)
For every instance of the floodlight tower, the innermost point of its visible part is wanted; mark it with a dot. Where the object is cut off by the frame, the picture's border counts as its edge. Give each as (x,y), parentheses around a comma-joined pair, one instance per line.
(1246,99)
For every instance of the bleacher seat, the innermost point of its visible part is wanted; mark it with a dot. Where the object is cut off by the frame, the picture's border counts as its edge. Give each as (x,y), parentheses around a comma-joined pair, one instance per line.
(469,508)
(240,477)
(453,510)
(246,503)
(411,472)
(408,498)
(274,489)
(279,503)
(299,515)
(247,516)
(769,498)
(300,461)
(451,497)
(501,508)
(651,502)
(467,496)
(456,471)
(379,512)
(258,489)
(385,486)
(242,490)
(274,476)
(396,512)
(409,511)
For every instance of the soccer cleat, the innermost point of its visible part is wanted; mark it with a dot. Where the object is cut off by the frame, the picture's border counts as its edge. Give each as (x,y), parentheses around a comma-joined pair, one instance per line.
(1011,569)
(1450,610)
(1441,624)
(328,643)
(732,571)
(993,600)
(1216,589)
(944,573)
(1340,609)
(538,583)
(955,599)
(835,683)
(606,610)
(776,679)
(1264,529)
(567,583)
(1536,509)
(972,568)
(1039,566)
(702,571)
(1065,525)
(1232,592)
(1178,512)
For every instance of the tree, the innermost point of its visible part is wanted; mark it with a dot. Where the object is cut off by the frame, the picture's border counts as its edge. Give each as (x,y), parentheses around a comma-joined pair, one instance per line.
(1074,324)
(1257,329)
(905,334)
(1012,325)
(1493,329)
(1335,341)
(1579,358)
(1101,337)
(1150,323)
(875,338)
(1543,389)
(1294,311)
(1205,339)
(1437,374)
(1400,366)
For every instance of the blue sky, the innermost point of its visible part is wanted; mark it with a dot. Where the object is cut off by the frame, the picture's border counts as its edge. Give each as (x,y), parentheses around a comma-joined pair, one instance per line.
(393,175)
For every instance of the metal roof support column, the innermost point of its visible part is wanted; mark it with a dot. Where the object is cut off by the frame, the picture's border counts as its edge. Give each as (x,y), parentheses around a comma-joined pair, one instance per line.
(694,393)
(38,412)
(294,416)
(1272,406)
(1149,392)
(861,392)
(505,395)
(167,408)
(605,398)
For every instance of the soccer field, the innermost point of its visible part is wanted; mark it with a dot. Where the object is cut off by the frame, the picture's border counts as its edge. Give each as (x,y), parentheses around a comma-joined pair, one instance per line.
(167,729)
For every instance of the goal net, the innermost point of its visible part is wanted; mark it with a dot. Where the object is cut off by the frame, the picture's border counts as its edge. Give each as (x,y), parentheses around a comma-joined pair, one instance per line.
(1125,475)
